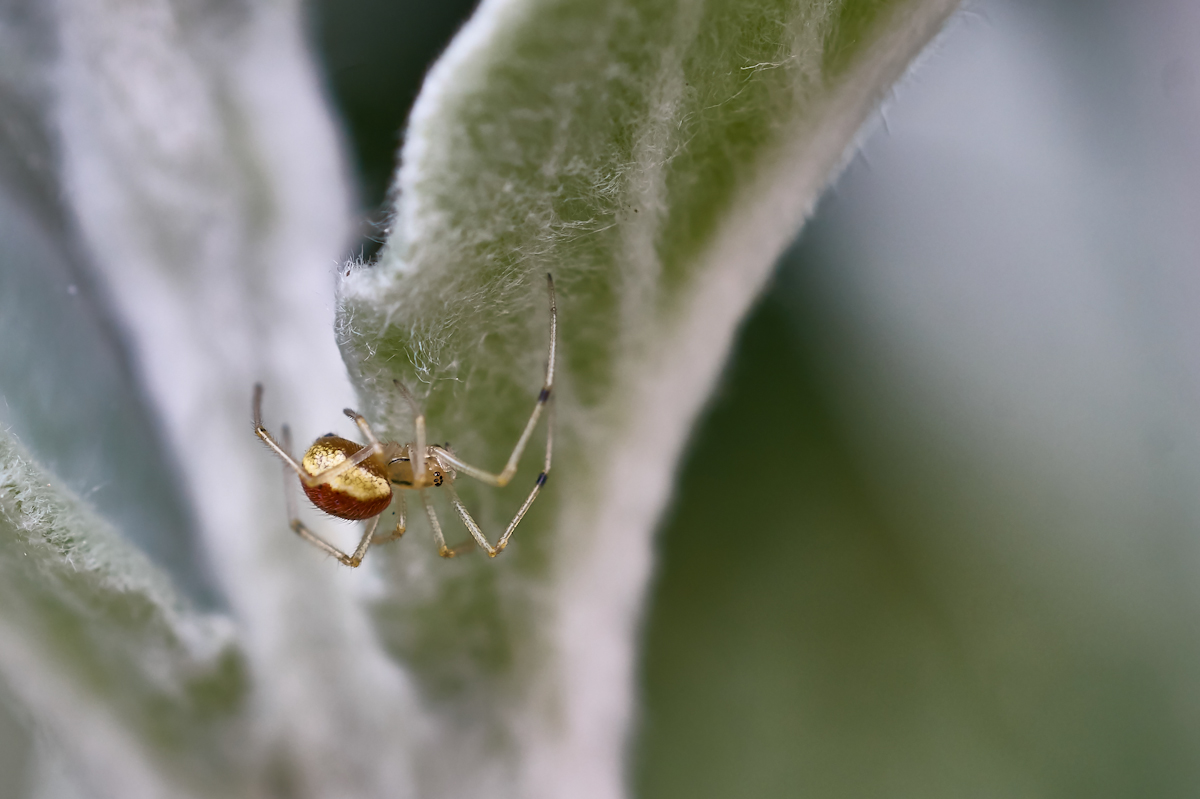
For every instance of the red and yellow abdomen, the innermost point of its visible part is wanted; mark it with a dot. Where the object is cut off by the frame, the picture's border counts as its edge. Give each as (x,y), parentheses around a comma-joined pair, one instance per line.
(360,492)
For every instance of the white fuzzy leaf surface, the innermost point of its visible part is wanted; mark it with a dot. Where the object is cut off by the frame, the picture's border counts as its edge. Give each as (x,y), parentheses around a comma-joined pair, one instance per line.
(656,157)
(146,697)
(203,185)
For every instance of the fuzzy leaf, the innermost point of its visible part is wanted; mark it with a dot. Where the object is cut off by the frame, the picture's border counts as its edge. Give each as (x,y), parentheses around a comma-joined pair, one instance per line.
(185,152)
(656,157)
(146,695)
(66,385)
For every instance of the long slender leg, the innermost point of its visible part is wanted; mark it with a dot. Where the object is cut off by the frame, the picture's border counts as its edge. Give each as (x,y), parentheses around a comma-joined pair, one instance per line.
(367,432)
(510,468)
(443,550)
(400,524)
(537,485)
(333,471)
(473,526)
(418,457)
(353,561)
(308,535)
(469,520)
(289,491)
(261,431)
(372,448)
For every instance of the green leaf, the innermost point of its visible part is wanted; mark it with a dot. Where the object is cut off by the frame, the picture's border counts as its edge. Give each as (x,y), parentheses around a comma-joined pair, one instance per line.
(99,645)
(655,157)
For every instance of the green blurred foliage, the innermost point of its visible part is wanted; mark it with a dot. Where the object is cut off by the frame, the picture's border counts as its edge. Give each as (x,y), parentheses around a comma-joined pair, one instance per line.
(376,53)
(792,647)
(844,607)
(16,753)
(936,536)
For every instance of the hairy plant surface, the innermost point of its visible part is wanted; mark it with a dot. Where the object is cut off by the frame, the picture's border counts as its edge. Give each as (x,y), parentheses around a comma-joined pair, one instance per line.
(656,158)
(175,190)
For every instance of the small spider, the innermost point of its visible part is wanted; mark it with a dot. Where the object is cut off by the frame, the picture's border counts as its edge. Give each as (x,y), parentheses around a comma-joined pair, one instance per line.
(354,481)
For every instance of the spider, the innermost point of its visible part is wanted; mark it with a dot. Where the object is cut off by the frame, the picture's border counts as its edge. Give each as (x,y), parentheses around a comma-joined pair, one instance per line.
(355,481)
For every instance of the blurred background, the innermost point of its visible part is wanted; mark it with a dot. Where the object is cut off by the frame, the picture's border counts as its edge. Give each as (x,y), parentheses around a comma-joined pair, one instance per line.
(964,557)
(961,557)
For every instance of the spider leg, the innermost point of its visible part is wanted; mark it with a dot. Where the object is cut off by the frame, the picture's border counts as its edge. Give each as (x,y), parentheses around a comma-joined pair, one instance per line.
(400,524)
(473,526)
(301,530)
(443,550)
(353,561)
(260,430)
(469,521)
(289,494)
(344,466)
(510,468)
(418,456)
(367,432)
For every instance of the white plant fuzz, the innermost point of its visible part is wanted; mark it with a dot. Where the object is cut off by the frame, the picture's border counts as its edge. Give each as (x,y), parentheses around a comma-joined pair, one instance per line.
(133,653)
(656,158)
(203,172)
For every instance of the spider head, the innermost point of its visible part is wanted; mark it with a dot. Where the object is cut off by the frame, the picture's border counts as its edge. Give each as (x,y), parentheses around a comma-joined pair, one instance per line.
(400,469)
(360,492)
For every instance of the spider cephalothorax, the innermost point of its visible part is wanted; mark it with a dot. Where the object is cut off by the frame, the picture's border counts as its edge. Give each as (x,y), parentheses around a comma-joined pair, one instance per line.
(357,481)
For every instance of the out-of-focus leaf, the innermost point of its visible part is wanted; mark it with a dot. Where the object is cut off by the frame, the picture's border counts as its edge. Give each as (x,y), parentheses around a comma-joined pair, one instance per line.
(185,159)
(67,390)
(147,696)
(971,398)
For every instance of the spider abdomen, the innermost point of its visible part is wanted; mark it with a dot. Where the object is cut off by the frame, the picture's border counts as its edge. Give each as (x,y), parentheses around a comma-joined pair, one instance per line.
(360,492)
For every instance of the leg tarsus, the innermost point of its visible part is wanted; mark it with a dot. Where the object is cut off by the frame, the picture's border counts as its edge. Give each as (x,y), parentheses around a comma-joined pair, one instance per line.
(418,455)
(454,552)
(469,520)
(354,560)
(438,537)
(401,525)
(359,420)
(261,431)
(501,478)
(372,448)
